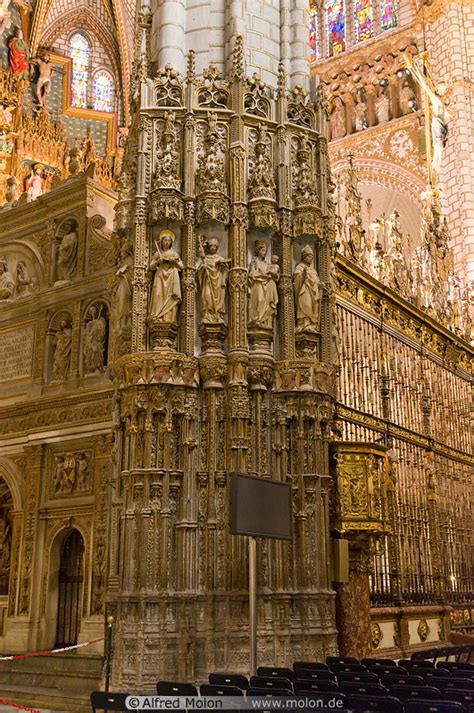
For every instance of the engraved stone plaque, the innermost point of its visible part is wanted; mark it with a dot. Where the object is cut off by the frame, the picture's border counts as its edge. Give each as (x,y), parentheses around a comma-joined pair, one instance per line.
(16,353)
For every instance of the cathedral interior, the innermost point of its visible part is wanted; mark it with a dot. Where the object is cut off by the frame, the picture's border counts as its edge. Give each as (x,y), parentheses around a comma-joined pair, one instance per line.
(236,236)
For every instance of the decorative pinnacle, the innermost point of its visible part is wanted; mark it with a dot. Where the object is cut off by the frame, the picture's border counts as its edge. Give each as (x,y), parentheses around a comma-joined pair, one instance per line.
(191,69)
(238,69)
(281,81)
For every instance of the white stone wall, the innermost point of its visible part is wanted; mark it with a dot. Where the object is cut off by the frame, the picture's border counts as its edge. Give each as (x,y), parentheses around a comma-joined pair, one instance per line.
(450,41)
(273,31)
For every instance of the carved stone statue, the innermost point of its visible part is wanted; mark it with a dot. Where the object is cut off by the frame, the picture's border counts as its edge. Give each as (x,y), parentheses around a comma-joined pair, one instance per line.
(338,119)
(82,462)
(94,341)
(360,112)
(212,275)
(35,184)
(166,288)
(67,254)
(382,107)
(407,98)
(307,288)
(263,298)
(7,284)
(123,289)
(62,352)
(167,156)
(25,284)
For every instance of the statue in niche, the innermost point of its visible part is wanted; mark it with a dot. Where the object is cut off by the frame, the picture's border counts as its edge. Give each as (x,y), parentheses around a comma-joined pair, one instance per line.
(382,106)
(67,254)
(167,156)
(338,119)
(44,71)
(262,182)
(263,277)
(25,284)
(35,184)
(166,287)
(62,351)
(123,288)
(407,98)
(94,341)
(308,293)
(18,54)
(360,112)
(7,285)
(212,275)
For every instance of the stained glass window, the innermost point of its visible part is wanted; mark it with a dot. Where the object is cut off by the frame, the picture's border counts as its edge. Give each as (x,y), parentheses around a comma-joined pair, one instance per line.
(388,12)
(336,26)
(103,92)
(79,51)
(363,19)
(313,33)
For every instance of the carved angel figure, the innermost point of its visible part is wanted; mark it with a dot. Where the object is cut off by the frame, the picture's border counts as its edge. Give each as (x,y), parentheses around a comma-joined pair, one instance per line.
(263,298)
(166,288)
(307,289)
(212,275)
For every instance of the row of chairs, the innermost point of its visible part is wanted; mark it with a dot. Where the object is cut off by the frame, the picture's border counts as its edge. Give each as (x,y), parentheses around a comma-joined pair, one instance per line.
(358,685)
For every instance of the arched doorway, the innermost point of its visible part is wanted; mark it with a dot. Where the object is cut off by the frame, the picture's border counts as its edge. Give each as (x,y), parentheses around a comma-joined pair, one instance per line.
(71,576)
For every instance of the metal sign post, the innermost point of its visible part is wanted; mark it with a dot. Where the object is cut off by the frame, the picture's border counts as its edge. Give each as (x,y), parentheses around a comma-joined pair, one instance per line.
(253,604)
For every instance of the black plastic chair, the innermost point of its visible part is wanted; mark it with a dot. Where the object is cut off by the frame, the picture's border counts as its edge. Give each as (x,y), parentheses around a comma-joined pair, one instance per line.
(303,675)
(271,682)
(358,677)
(229,679)
(269,692)
(461,673)
(385,704)
(401,680)
(340,659)
(176,688)
(326,698)
(310,666)
(302,687)
(422,671)
(105,701)
(455,665)
(410,664)
(210,689)
(466,698)
(363,689)
(420,706)
(438,672)
(378,662)
(356,667)
(467,684)
(275,672)
(389,671)
(404,693)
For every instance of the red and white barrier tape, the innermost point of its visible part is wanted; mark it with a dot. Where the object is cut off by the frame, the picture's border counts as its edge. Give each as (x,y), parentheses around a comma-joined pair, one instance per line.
(51,651)
(4,702)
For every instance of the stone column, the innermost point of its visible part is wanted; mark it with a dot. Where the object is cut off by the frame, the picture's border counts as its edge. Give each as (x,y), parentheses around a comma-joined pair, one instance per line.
(353,605)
